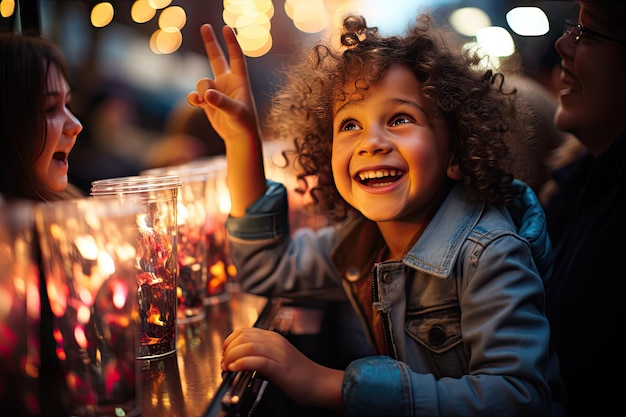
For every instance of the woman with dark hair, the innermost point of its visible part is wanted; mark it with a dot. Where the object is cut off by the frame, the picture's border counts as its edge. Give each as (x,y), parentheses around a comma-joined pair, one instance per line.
(37,129)
(37,134)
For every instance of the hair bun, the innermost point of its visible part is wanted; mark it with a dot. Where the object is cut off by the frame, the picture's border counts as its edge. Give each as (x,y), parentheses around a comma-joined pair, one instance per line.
(354,30)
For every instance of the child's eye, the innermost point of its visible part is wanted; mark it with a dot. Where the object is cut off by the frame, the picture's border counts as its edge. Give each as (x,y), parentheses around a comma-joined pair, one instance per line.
(401,120)
(348,125)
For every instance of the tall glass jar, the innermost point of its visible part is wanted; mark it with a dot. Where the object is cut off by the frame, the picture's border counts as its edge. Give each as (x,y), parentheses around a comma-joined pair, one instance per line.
(157,278)
(192,217)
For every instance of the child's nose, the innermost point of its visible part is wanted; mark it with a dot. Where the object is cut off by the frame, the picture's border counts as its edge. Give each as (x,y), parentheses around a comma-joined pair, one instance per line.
(374,142)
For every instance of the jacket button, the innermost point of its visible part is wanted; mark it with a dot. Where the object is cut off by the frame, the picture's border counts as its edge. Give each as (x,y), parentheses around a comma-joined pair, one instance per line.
(386,278)
(437,335)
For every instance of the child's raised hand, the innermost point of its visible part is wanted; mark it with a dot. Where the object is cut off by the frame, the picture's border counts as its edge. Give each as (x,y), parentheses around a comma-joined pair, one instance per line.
(227,99)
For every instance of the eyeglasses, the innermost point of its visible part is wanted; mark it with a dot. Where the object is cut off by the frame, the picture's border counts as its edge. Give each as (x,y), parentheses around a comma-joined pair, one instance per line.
(580,31)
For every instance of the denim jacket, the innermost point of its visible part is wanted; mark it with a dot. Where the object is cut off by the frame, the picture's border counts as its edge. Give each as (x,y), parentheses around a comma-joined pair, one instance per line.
(458,323)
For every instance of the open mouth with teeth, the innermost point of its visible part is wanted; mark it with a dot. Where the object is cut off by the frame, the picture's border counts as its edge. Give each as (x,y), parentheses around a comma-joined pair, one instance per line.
(379,178)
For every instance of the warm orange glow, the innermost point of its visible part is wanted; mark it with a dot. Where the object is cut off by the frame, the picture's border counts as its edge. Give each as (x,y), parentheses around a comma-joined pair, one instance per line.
(266,7)
(72,379)
(87,246)
(85,296)
(166,42)
(141,222)
(58,337)
(260,50)
(159,4)
(120,294)
(83,314)
(218,276)
(79,336)
(253,19)
(7,8)
(106,264)
(154,316)
(141,11)
(252,38)
(33,303)
(6,298)
(229,17)
(289,8)
(61,354)
(102,14)
(224,203)
(172,19)
(57,291)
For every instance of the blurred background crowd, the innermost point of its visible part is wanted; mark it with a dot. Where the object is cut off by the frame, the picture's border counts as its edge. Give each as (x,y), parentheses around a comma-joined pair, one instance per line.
(132,62)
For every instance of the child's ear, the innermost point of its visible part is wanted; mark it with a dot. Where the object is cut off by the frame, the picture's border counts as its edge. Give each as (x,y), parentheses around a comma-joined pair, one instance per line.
(454,170)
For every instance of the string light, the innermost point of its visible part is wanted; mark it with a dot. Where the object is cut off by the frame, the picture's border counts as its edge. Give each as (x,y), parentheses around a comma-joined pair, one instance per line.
(252,20)
(102,14)
(141,11)
(7,8)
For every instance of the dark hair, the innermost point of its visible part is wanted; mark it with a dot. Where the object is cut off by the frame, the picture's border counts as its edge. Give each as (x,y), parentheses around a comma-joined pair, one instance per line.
(473,103)
(24,65)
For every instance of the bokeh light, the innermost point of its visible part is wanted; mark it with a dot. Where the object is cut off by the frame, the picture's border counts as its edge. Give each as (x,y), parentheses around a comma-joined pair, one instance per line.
(469,20)
(102,14)
(496,41)
(7,8)
(165,42)
(141,11)
(159,4)
(528,21)
(172,18)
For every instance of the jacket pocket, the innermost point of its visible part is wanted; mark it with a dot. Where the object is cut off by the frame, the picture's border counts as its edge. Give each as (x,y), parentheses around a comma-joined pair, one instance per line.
(438,330)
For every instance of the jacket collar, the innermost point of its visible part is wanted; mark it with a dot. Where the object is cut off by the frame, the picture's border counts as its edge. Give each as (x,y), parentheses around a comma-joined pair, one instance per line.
(438,248)
(434,253)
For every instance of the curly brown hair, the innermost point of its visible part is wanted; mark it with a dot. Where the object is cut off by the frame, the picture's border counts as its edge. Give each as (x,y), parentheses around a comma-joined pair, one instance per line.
(474,105)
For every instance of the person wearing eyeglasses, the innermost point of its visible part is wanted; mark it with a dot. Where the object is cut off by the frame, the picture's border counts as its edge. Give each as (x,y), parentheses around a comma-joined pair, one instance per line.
(587,215)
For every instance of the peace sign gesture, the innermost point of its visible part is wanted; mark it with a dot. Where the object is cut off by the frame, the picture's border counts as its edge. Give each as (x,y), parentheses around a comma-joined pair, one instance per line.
(229,105)
(227,99)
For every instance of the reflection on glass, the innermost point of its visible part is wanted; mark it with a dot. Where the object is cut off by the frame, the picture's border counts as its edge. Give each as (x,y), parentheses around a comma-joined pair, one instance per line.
(88,254)
(191,245)
(156,246)
(19,311)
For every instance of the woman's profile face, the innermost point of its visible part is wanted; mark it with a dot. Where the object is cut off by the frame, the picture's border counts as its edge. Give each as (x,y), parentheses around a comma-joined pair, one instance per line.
(593,84)
(62,127)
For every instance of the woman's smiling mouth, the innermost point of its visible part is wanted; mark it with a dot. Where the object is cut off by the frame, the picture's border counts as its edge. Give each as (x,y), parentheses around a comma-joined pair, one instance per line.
(60,156)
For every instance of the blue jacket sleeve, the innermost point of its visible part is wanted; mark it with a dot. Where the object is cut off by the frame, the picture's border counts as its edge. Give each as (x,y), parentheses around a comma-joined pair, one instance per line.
(266,218)
(274,263)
